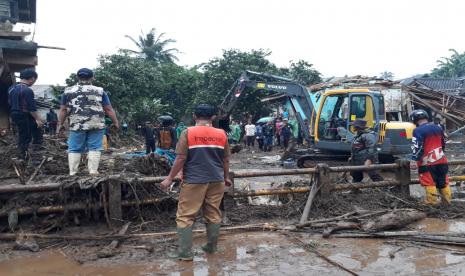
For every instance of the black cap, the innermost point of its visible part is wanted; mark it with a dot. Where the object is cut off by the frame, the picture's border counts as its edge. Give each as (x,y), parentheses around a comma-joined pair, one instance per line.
(204,110)
(85,73)
(359,123)
(27,74)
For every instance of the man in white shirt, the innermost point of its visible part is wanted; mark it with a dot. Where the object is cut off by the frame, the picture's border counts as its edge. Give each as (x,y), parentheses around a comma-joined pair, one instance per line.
(250,134)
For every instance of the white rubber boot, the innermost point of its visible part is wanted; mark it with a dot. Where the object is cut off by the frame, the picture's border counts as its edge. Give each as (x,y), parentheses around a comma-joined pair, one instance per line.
(93,159)
(74,159)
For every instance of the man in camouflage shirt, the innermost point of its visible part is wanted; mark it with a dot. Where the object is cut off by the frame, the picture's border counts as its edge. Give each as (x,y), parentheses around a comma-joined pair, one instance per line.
(85,105)
(364,151)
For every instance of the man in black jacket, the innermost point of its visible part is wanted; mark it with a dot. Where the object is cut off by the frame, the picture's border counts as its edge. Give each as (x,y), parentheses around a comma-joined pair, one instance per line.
(24,112)
(52,122)
(149,135)
(364,151)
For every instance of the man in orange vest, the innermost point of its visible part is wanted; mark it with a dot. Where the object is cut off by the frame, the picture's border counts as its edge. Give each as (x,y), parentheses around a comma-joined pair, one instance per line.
(203,155)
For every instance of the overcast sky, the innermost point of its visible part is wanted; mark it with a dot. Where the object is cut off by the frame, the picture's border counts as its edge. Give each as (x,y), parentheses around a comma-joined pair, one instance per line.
(339,37)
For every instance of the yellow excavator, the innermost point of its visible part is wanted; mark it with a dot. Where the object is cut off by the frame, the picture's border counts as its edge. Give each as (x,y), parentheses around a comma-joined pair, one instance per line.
(325,119)
(332,132)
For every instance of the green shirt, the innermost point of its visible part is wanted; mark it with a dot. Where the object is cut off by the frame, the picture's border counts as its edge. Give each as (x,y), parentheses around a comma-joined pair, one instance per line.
(294,127)
(179,130)
(235,133)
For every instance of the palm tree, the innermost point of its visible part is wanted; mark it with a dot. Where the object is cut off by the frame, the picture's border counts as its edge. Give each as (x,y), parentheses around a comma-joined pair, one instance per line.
(386,75)
(153,47)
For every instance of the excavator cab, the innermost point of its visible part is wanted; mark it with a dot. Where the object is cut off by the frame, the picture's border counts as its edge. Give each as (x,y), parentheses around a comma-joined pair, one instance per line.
(341,107)
(338,108)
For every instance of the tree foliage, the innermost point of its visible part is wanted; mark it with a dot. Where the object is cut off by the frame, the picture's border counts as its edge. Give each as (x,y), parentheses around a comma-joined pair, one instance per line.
(149,84)
(153,47)
(134,85)
(302,72)
(220,73)
(450,67)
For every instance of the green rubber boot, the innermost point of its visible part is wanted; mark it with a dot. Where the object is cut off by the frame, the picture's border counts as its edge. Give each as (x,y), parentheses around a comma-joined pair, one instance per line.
(184,251)
(213,231)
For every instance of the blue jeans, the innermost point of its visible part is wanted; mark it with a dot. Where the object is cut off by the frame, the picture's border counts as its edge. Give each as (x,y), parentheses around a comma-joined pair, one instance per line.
(267,141)
(79,141)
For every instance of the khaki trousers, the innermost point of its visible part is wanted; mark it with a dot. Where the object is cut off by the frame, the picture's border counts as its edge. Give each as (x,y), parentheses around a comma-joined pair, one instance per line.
(193,197)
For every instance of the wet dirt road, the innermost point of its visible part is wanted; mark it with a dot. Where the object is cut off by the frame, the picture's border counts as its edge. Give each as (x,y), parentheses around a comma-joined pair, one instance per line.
(270,253)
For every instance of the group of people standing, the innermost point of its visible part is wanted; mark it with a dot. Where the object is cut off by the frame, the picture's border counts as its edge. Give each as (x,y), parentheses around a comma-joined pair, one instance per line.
(160,134)
(267,134)
(83,108)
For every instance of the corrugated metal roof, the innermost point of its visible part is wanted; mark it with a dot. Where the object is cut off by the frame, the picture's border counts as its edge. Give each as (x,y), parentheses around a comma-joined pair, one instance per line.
(447,86)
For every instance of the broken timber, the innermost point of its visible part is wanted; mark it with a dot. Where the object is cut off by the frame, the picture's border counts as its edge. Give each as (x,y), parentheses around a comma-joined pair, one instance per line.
(321,174)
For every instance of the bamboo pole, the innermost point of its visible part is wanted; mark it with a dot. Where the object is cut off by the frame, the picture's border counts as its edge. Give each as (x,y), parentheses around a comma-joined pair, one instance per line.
(385,183)
(45,187)
(364,168)
(259,173)
(265,192)
(128,203)
(39,187)
(16,188)
(78,206)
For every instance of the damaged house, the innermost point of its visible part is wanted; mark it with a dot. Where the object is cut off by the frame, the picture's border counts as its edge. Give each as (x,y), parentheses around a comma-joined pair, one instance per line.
(16,53)
(443,98)
(396,100)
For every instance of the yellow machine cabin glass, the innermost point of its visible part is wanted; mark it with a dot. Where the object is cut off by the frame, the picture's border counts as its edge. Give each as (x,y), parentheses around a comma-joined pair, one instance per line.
(361,107)
(333,117)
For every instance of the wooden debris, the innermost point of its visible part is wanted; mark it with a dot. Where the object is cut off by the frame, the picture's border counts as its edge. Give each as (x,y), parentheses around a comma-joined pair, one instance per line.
(122,231)
(393,220)
(249,227)
(348,216)
(308,204)
(34,174)
(18,171)
(313,250)
(110,250)
(339,226)
(24,242)
(439,238)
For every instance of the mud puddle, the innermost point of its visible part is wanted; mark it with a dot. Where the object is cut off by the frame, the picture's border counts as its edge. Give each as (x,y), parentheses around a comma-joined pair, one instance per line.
(269,253)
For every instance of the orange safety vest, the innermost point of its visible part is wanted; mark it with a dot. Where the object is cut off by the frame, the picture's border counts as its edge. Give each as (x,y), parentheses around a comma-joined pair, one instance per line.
(204,163)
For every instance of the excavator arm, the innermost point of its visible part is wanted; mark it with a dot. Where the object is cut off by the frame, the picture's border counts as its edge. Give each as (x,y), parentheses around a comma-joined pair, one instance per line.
(278,87)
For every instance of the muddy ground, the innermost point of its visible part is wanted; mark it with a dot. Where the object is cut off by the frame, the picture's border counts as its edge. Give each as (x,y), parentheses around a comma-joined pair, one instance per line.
(262,253)
(147,256)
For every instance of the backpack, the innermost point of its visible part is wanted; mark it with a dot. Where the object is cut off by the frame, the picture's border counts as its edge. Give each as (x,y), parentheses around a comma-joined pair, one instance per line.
(165,139)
